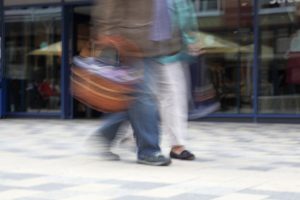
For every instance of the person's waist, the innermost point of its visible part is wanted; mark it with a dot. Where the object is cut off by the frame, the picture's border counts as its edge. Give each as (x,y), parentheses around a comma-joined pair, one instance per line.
(172,53)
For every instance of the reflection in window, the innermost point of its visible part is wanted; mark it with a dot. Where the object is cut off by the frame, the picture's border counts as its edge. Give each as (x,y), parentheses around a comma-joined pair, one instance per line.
(33,55)
(227,37)
(275,3)
(209,5)
(280,62)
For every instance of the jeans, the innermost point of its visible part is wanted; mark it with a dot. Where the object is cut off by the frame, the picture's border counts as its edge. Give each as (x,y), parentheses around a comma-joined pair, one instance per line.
(142,114)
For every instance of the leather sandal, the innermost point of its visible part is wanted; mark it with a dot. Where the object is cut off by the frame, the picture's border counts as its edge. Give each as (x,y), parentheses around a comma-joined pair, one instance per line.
(184,155)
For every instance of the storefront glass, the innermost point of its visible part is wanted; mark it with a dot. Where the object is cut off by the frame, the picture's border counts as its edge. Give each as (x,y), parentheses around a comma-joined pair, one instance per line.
(28,2)
(1,61)
(32,68)
(82,47)
(82,1)
(33,59)
(226,32)
(279,73)
(1,40)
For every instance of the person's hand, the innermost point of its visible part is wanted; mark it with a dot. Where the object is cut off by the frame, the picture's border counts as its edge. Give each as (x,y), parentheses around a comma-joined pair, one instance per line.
(195,49)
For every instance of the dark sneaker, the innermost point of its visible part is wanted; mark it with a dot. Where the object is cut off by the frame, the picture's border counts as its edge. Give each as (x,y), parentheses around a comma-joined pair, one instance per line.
(110,156)
(184,155)
(154,160)
(104,146)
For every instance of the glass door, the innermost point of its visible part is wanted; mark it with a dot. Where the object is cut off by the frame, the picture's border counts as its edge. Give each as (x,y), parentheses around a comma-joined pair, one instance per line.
(279,56)
(1,60)
(81,47)
(226,31)
(33,50)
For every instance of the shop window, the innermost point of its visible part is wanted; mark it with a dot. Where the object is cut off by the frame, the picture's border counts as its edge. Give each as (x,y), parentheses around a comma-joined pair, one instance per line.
(276,3)
(209,5)
(28,2)
(228,40)
(33,59)
(279,72)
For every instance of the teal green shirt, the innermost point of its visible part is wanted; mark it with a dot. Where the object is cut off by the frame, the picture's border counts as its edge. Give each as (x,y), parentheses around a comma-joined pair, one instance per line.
(183,16)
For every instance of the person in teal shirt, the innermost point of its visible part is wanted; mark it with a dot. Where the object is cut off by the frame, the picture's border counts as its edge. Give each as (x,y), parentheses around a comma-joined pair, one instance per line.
(172,78)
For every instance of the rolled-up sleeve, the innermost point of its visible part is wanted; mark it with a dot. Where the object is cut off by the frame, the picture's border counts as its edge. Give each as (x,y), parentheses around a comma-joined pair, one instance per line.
(187,20)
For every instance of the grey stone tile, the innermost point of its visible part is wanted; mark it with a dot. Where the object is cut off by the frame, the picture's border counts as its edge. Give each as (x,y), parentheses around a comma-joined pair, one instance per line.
(14,150)
(228,155)
(203,159)
(31,198)
(286,196)
(138,198)
(49,157)
(288,164)
(5,188)
(17,176)
(59,146)
(35,131)
(258,168)
(274,195)
(50,187)
(243,140)
(252,191)
(137,185)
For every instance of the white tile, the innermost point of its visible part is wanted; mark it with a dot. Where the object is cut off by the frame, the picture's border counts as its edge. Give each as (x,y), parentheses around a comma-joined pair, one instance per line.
(17,193)
(285,186)
(27,182)
(88,197)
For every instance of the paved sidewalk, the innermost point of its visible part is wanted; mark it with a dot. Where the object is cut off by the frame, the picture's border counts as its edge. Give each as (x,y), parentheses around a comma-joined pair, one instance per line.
(50,160)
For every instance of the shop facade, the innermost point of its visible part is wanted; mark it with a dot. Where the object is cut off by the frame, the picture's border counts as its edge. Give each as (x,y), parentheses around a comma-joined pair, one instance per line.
(252,50)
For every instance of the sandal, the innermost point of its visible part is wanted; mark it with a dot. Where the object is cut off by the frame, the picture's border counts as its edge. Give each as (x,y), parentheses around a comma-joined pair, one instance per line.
(184,155)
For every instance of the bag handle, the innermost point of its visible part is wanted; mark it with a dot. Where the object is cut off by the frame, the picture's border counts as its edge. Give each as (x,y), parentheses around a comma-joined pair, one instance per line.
(125,48)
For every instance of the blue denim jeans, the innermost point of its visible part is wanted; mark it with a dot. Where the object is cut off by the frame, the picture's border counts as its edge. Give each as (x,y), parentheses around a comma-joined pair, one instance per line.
(142,114)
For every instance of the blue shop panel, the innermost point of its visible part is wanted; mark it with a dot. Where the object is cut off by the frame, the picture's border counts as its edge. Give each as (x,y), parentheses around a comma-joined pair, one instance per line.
(28,2)
(1,107)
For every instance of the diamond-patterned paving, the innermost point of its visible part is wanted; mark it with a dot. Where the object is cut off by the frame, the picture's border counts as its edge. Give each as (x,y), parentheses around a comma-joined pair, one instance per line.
(52,160)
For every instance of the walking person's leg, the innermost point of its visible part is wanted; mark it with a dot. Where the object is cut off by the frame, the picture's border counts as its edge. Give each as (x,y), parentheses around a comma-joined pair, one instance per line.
(106,135)
(143,116)
(173,98)
(144,119)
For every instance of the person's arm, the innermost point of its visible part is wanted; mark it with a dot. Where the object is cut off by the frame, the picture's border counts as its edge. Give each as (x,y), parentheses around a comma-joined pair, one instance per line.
(187,20)
(188,25)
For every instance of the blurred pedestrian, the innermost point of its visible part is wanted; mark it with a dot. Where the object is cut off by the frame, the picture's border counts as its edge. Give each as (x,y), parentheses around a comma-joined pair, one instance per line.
(163,29)
(132,19)
(172,70)
(174,20)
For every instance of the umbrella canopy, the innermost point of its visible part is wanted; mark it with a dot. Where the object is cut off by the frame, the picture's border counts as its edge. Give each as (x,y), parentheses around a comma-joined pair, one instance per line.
(50,50)
(214,44)
(267,52)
